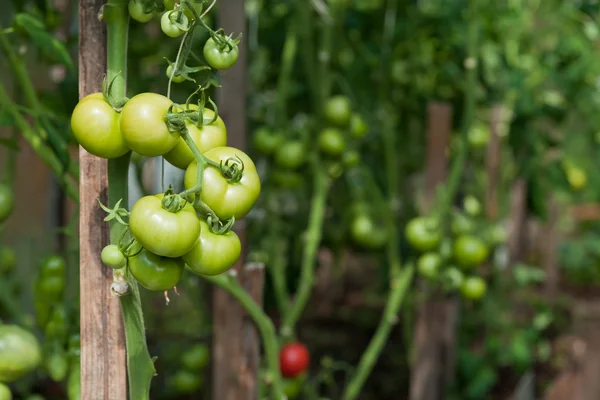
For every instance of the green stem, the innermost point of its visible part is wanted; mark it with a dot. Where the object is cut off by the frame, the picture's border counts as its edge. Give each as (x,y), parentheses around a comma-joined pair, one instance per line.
(140,368)
(201,162)
(287,65)
(399,287)
(311,245)
(40,148)
(264,325)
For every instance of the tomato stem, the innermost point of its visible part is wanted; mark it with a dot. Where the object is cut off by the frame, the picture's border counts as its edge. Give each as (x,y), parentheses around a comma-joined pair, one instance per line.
(264,324)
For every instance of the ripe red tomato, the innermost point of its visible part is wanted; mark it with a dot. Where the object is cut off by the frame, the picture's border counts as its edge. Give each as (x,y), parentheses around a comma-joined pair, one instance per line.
(294,359)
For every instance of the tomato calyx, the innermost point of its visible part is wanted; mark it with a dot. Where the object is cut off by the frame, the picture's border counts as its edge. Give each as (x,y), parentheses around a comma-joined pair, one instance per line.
(180,73)
(225,44)
(217,227)
(116,104)
(232,169)
(172,202)
(178,18)
(117,212)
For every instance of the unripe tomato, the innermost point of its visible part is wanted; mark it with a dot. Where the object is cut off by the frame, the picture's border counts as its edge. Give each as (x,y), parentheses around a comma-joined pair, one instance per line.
(364,232)
(113,257)
(95,125)
(155,272)
(143,125)
(473,288)
(165,233)
(226,199)
(176,78)
(358,127)
(169,4)
(577,178)
(479,135)
(7,202)
(206,137)
(351,158)
(196,358)
(469,251)
(472,206)
(453,278)
(461,224)
(213,254)
(423,234)
(5,393)
(198,6)
(294,359)
(20,353)
(332,142)
(8,260)
(290,154)
(185,382)
(51,287)
(429,265)
(293,387)
(496,235)
(220,56)
(136,11)
(53,266)
(337,110)
(266,141)
(169,23)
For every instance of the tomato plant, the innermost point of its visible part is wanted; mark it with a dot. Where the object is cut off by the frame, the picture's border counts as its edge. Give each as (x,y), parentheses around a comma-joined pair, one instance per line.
(164,233)
(214,253)
(429,265)
(221,55)
(294,359)
(227,198)
(358,126)
(177,78)
(332,142)
(95,126)
(174,23)
(423,234)
(137,12)
(338,110)
(473,288)
(156,272)
(469,251)
(143,125)
(366,233)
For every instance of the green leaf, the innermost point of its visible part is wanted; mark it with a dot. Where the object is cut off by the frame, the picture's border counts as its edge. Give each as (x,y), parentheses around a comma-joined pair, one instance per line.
(48,45)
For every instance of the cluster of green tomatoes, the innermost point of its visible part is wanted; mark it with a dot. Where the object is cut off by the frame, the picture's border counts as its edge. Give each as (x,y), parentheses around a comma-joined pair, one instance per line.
(453,261)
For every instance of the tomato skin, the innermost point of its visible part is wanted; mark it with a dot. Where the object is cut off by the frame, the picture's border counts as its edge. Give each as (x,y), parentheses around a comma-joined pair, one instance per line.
(472,206)
(218,58)
(332,142)
(479,136)
(7,201)
(5,393)
(213,254)
(422,234)
(351,158)
(169,28)
(196,358)
(429,265)
(169,4)
(473,288)
(143,125)
(51,287)
(20,353)
(8,260)
(53,266)
(207,137)
(461,224)
(113,257)
(358,127)
(95,126)
(136,11)
(469,251)
(224,198)
(162,232)
(364,232)
(294,359)
(155,272)
(198,6)
(337,110)
(577,178)
(290,154)
(176,78)
(266,141)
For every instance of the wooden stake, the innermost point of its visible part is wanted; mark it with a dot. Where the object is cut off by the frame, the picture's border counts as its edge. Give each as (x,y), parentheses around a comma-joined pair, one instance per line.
(103,365)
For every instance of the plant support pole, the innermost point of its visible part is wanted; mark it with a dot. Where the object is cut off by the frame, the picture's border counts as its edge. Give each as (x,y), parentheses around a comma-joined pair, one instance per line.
(103,366)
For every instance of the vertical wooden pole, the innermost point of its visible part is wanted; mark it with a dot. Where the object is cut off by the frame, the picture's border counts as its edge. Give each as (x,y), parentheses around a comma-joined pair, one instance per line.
(435,328)
(236,345)
(103,365)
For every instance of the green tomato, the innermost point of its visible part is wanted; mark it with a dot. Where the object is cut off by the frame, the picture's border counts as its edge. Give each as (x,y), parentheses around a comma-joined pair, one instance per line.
(136,11)
(155,272)
(473,288)
(469,251)
(479,135)
(169,4)
(472,206)
(165,233)
(20,353)
(266,141)
(293,387)
(113,257)
(332,142)
(453,278)
(220,56)
(351,158)
(176,78)
(461,224)
(337,110)
(496,235)
(143,125)
(423,234)
(8,260)
(287,179)
(358,127)
(198,6)
(364,232)
(5,393)
(95,125)
(51,287)
(53,266)
(577,178)
(226,199)
(213,254)
(429,265)
(169,23)
(196,358)
(7,202)
(290,154)
(186,382)
(206,137)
